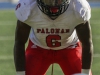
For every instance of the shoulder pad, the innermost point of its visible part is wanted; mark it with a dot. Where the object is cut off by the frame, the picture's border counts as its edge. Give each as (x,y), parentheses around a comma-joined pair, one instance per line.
(22,10)
(82,10)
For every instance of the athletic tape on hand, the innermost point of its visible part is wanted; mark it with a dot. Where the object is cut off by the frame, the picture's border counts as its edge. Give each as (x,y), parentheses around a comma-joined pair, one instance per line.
(80,74)
(20,73)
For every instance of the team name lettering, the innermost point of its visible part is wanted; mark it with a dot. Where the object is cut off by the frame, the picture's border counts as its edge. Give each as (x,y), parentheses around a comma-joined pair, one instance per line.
(52,31)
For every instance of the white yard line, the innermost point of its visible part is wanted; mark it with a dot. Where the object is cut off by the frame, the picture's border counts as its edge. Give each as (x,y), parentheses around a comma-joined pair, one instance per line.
(11,57)
(6,38)
(96,55)
(6,57)
(3,23)
(3,38)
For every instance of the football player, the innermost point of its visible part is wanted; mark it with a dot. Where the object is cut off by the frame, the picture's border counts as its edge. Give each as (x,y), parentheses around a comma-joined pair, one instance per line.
(59,32)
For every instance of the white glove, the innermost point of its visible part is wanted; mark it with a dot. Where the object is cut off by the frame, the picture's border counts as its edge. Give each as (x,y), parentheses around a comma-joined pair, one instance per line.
(80,74)
(84,72)
(20,73)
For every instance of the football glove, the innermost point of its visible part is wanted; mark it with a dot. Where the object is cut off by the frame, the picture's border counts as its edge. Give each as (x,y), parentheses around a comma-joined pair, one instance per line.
(84,72)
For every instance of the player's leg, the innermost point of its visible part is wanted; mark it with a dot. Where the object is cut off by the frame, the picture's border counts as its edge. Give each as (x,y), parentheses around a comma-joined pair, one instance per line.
(71,61)
(37,61)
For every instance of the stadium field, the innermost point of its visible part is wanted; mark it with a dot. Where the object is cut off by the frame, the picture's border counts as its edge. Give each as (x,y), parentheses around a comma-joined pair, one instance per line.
(7,30)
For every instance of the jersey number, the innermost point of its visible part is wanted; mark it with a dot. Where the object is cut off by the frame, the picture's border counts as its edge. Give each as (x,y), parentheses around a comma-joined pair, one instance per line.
(52,40)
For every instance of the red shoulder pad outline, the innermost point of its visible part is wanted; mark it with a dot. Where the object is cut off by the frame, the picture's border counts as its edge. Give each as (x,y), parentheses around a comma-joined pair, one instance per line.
(18,6)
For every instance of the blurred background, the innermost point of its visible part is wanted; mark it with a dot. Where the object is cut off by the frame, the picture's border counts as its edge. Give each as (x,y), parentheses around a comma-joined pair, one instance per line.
(7,32)
(4,4)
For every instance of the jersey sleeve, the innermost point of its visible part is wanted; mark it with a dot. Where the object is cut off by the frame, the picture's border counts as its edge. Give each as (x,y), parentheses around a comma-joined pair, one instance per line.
(82,10)
(22,10)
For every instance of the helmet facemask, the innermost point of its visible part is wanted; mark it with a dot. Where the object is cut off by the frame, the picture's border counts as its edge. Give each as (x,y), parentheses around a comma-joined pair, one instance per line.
(53,8)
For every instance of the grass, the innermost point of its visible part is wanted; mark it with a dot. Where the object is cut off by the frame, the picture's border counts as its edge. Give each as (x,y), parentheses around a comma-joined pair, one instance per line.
(7,30)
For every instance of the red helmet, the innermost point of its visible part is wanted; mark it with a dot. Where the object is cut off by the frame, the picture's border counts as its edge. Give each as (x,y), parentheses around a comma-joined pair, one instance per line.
(53,8)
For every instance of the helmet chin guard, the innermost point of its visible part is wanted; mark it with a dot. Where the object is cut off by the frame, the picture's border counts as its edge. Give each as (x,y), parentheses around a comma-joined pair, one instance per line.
(53,8)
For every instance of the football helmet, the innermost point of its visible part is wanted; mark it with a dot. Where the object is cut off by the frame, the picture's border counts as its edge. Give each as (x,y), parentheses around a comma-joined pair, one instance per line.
(53,8)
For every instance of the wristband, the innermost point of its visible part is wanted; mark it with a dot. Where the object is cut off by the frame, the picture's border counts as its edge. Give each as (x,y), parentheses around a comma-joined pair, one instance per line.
(20,73)
(86,71)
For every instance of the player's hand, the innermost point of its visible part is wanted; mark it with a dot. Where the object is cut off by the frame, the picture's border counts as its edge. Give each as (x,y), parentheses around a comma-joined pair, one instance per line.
(80,74)
(84,72)
(20,73)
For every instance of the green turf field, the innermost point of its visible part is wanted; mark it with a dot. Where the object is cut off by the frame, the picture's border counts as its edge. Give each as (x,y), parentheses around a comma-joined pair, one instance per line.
(7,30)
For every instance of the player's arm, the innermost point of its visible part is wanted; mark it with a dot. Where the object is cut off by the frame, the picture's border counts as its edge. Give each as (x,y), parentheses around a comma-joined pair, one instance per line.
(85,36)
(21,37)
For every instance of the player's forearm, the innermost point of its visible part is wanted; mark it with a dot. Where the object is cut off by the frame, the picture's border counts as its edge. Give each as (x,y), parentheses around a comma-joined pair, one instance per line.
(87,51)
(19,57)
(87,61)
(87,56)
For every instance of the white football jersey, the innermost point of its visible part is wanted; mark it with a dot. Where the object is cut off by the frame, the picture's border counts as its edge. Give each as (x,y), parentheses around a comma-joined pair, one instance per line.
(53,34)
